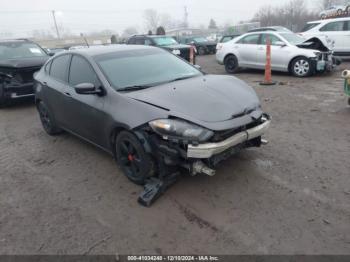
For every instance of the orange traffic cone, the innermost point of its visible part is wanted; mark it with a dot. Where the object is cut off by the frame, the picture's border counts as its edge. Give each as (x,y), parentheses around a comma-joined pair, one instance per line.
(268,78)
(192,55)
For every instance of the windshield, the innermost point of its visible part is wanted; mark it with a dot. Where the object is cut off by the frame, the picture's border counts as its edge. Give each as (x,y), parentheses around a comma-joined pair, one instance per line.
(148,67)
(308,27)
(293,38)
(200,39)
(13,50)
(164,41)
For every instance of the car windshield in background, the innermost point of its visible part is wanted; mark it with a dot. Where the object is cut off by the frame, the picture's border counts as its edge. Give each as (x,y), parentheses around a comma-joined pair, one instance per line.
(200,39)
(143,68)
(293,38)
(164,41)
(13,50)
(308,27)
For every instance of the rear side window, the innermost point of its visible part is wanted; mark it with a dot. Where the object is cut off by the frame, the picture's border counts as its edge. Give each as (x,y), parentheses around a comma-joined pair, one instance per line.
(333,27)
(308,27)
(250,40)
(82,72)
(59,67)
(139,41)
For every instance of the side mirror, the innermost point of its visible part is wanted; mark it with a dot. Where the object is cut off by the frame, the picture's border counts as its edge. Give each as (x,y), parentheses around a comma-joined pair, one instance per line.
(87,89)
(51,53)
(280,43)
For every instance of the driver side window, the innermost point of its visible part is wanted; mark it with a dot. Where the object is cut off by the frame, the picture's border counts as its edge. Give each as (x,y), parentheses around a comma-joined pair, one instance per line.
(82,72)
(273,39)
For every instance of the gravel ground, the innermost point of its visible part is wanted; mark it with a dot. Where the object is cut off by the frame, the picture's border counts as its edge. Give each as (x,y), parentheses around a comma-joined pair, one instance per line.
(60,195)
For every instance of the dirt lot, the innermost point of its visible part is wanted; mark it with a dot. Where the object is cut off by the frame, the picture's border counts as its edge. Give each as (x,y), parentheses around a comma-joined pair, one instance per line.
(59,195)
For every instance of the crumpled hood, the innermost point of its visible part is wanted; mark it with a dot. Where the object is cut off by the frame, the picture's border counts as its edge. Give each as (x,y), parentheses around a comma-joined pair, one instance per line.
(209,98)
(24,62)
(316,43)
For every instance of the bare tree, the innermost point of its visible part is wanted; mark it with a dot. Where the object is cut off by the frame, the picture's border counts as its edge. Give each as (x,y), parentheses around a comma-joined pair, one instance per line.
(292,15)
(152,19)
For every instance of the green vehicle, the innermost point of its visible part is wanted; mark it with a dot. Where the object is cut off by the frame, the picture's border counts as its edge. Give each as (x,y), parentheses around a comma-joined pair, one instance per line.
(346,76)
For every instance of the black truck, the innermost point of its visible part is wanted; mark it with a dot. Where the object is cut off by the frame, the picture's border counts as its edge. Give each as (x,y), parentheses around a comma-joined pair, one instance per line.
(19,60)
(162,41)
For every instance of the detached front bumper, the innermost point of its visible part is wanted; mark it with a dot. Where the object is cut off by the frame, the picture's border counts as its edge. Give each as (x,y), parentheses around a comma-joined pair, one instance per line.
(325,62)
(208,150)
(19,91)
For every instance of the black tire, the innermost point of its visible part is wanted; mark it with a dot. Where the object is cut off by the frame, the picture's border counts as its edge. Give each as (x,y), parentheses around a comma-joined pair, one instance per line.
(47,120)
(231,64)
(136,164)
(301,67)
(339,12)
(201,51)
(323,16)
(3,100)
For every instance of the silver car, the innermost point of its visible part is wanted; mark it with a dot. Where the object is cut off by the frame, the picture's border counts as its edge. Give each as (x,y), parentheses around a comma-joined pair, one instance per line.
(289,53)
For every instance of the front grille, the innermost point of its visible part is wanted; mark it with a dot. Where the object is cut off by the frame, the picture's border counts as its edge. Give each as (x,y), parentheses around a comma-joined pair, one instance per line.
(220,136)
(25,75)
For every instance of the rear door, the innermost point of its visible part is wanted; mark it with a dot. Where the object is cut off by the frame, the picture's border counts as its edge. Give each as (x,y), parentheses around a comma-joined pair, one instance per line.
(247,50)
(86,117)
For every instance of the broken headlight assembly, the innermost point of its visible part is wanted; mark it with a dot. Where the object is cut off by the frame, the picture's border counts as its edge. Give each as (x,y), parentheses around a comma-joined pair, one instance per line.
(180,129)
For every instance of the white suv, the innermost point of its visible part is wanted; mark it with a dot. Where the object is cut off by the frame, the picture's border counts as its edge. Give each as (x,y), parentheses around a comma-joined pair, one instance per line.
(289,53)
(337,29)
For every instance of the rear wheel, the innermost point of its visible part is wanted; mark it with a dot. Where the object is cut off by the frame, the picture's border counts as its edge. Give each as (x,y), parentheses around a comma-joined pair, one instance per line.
(231,64)
(339,12)
(132,158)
(47,120)
(301,67)
(201,51)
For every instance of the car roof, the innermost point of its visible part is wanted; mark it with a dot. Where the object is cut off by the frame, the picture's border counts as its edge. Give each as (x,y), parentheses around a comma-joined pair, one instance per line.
(330,20)
(270,28)
(14,41)
(101,50)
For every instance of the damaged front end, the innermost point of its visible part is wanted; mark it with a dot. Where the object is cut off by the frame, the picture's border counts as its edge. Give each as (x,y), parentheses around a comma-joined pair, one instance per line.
(324,61)
(197,156)
(18,82)
(201,155)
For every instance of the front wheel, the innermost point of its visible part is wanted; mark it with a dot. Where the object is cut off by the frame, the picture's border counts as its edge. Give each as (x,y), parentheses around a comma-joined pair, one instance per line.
(231,64)
(301,67)
(135,162)
(201,51)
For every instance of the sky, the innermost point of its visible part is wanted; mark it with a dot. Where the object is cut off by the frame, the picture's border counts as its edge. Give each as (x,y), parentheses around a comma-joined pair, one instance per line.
(21,17)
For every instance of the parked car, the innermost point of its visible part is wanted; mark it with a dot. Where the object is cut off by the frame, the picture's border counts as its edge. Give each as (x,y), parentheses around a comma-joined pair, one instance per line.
(162,41)
(333,10)
(271,28)
(226,38)
(203,45)
(150,109)
(19,60)
(334,30)
(290,53)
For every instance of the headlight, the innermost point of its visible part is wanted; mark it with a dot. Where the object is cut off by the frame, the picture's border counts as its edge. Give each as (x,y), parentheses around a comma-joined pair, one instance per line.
(180,129)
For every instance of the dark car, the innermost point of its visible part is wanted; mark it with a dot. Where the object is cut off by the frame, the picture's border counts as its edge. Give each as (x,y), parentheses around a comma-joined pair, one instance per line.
(19,60)
(203,45)
(151,110)
(162,41)
(227,38)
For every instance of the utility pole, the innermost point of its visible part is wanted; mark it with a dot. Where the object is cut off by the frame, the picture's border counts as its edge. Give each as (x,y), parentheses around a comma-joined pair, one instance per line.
(55,22)
(185,23)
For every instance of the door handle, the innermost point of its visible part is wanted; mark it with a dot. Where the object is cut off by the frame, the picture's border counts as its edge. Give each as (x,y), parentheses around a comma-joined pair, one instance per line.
(67,94)
(44,83)
(261,48)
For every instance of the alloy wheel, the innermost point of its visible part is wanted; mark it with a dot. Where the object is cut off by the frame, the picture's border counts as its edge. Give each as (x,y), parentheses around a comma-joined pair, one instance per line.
(44,117)
(129,159)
